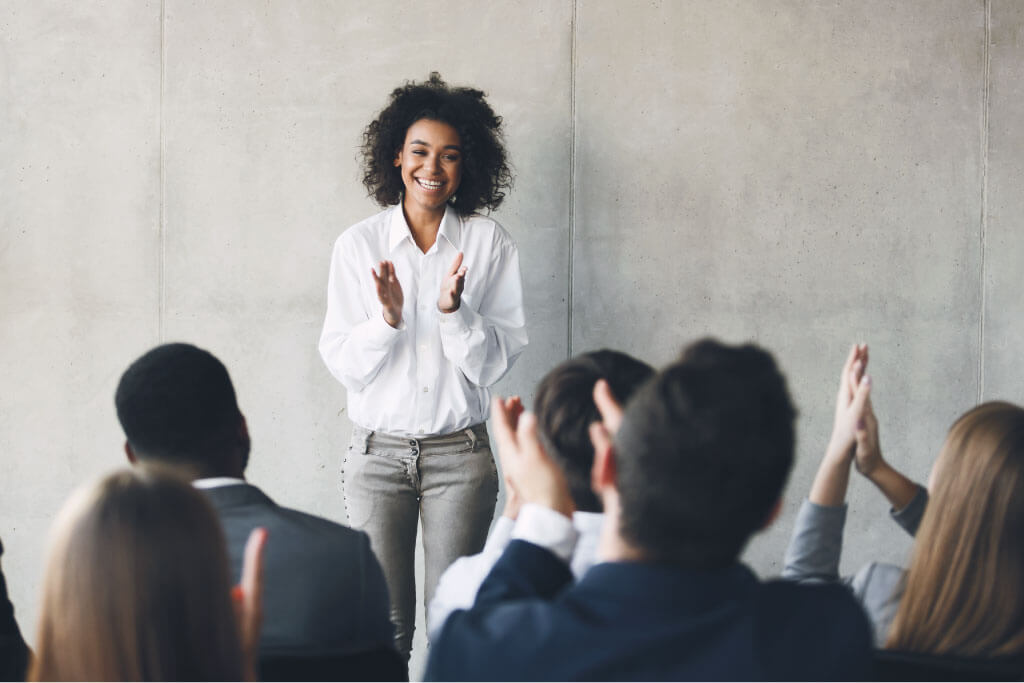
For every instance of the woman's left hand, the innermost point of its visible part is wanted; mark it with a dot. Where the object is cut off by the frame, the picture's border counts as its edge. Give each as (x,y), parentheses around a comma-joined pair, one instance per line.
(451,287)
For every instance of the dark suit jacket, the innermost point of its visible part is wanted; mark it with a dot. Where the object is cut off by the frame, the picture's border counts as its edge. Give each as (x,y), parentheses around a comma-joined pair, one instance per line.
(13,650)
(632,621)
(324,593)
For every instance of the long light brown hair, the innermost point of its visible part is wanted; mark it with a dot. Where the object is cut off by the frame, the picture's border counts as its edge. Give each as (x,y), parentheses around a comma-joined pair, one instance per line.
(137,586)
(965,586)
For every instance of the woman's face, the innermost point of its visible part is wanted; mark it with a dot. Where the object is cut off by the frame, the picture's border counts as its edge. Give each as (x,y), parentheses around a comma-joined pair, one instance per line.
(431,164)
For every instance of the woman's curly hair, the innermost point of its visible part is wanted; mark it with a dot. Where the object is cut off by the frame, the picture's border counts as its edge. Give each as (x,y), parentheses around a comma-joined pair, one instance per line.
(485,170)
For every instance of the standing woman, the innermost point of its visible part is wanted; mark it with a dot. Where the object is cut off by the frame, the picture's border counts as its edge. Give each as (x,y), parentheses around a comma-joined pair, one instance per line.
(424,312)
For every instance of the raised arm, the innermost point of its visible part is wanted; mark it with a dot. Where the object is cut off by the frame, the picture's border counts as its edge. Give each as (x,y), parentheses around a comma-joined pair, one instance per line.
(814,549)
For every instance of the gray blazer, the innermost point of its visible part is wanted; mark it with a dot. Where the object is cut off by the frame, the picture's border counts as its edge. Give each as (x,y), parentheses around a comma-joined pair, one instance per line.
(813,556)
(324,592)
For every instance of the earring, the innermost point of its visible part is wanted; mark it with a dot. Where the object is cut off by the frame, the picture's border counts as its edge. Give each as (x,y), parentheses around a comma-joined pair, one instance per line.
(452,200)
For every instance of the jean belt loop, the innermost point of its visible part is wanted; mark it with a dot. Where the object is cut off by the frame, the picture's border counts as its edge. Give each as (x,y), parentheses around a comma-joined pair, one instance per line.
(472,438)
(366,442)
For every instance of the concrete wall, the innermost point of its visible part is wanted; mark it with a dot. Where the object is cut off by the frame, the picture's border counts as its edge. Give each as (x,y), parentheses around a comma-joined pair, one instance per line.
(805,174)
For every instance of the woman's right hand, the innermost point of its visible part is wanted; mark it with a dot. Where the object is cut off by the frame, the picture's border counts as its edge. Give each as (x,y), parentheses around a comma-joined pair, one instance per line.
(389,292)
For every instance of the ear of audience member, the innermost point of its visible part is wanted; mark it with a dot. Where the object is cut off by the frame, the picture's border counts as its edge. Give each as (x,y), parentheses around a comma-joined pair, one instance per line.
(697,466)
(961,594)
(325,594)
(137,587)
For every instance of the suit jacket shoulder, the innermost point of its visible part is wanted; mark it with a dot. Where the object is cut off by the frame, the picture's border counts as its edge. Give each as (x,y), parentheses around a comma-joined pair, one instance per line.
(324,592)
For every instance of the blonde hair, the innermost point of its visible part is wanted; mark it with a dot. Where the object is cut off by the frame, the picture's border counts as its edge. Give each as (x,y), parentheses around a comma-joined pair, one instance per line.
(964,590)
(137,586)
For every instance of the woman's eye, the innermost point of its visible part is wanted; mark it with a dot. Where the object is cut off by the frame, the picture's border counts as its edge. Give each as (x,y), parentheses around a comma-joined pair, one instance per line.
(419,152)
(452,157)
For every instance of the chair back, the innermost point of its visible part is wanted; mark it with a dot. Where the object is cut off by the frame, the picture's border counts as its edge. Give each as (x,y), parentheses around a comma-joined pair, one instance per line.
(384,664)
(896,665)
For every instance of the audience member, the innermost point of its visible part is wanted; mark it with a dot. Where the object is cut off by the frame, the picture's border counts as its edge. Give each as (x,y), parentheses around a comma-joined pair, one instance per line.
(137,588)
(696,467)
(325,594)
(565,409)
(962,593)
(13,650)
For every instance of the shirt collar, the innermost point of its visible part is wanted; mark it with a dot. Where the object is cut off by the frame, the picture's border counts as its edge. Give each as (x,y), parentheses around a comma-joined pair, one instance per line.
(450,228)
(216,482)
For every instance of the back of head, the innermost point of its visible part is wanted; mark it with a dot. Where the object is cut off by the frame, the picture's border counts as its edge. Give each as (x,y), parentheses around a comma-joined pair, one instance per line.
(963,593)
(565,409)
(137,586)
(703,454)
(176,404)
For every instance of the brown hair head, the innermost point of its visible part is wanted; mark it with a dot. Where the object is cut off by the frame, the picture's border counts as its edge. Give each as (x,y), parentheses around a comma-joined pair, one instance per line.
(137,586)
(964,594)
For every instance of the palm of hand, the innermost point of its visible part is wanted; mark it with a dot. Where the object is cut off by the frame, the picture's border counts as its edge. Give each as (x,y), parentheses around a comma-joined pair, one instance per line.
(452,286)
(389,292)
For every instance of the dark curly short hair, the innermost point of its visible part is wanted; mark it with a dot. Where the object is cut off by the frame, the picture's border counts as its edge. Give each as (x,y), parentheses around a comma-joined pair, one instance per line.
(486,174)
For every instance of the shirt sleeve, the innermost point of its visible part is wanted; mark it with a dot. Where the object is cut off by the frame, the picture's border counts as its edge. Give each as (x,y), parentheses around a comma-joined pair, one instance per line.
(355,341)
(817,542)
(459,584)
(483,343)
(548,529)
(909,518)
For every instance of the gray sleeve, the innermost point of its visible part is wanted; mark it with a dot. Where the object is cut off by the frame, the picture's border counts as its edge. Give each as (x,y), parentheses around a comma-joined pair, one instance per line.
(910,516)
(814,549)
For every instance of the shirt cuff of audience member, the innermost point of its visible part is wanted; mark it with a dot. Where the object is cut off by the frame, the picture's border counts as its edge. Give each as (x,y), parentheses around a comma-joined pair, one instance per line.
(549,529)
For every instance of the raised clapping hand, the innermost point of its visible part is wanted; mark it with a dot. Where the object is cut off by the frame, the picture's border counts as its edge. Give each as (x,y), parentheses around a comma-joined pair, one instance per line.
(389,292)
(513,408)
(526,466)
(451,287)
(850,424)
(247,598)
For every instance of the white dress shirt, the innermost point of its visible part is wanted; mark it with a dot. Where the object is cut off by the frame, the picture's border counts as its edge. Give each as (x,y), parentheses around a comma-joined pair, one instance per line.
(429,376)
(575,542)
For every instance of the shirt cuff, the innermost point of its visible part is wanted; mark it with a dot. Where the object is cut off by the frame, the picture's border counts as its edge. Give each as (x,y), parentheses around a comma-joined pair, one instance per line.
(546,528)
(382,333)
(500,535)
(910,516)
(461,321)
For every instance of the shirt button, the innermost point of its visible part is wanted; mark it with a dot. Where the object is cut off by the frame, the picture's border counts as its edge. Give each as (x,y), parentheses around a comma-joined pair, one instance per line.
(425,389)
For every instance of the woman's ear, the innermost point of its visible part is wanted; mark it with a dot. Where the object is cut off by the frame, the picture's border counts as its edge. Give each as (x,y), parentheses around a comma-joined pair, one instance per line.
(398,158)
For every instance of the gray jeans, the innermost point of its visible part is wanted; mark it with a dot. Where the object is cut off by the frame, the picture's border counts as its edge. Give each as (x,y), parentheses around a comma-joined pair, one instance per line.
(390,482)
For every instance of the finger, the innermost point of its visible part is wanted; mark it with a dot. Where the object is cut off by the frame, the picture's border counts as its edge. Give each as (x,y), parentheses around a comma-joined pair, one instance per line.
(611,411)
(860,398)
(844,376)
(456,264)
(504,431)
(252,586)
(529,441)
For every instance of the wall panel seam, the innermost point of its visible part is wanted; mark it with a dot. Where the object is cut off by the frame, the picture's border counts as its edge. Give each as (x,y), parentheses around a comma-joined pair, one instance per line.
(572,178)
(985,103)
(161,221)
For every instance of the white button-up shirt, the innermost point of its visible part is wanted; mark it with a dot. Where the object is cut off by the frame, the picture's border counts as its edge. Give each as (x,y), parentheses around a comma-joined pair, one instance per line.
(429,376)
